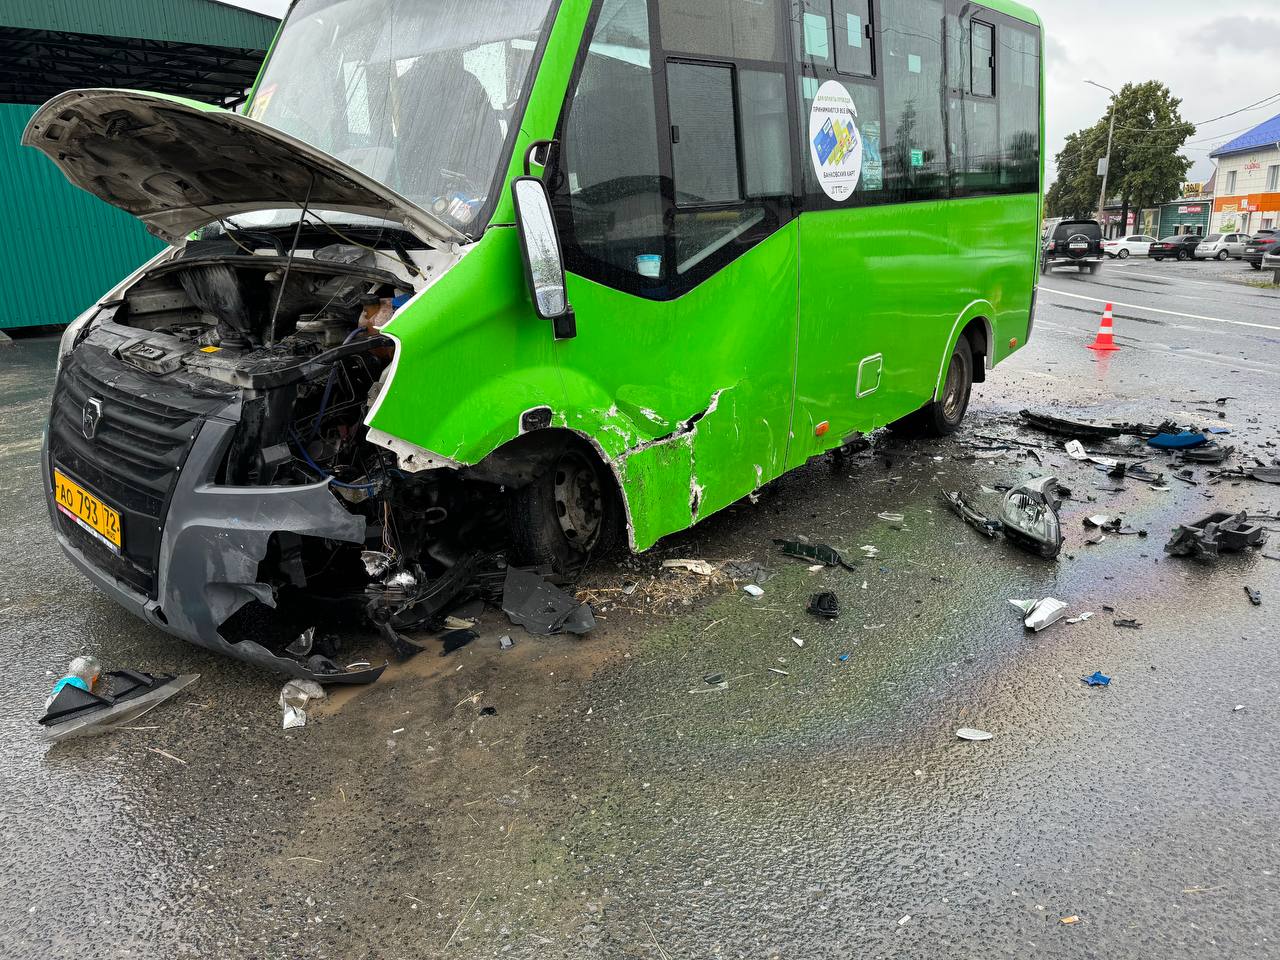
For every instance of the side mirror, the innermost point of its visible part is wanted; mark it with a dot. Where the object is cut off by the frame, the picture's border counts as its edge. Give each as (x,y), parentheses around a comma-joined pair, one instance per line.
(543,259)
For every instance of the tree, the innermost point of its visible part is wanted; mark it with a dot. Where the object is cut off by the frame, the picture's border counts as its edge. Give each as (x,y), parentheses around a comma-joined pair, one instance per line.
(1146,167)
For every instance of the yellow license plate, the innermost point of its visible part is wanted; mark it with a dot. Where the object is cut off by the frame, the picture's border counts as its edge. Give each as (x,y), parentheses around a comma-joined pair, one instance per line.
(87,510)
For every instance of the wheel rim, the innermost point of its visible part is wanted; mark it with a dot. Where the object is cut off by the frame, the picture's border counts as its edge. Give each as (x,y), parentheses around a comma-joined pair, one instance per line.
(953,390)
(579,500)
(1124,254)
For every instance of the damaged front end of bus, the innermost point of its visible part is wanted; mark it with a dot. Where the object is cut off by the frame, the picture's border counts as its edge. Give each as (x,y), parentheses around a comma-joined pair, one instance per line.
(207,460)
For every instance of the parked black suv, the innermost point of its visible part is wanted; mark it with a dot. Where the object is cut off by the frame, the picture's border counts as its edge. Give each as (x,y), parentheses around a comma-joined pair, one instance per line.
(1263,242)
(1073,243)
(1179,247)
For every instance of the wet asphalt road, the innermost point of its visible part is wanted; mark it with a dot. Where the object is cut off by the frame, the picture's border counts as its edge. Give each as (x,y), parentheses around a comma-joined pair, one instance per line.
(610,811)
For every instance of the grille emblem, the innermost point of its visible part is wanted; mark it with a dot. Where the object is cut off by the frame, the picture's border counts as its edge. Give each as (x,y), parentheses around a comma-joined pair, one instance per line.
(90,417)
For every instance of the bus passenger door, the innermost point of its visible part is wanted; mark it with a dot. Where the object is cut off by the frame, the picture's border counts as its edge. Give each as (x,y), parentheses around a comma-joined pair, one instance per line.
(871,309)
(673,191)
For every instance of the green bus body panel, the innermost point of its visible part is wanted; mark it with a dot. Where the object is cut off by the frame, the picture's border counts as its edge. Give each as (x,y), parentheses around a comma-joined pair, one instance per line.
(902,282)
(67,247)
(690,402)
(173,21)
(473,357)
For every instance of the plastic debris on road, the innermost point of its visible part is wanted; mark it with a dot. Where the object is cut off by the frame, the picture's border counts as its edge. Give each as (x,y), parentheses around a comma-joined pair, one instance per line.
(752,590)
(1080,619)
(1177,441)
(1097,679)
(1069,920)
(531,602)
(968,733)
(820,552)
(108,702)
(1209,453)
(895,520)
(1217,532)
(296,696)
(825,605)
(1255,596)
(1041,613)
(1128,623)
(1076,451)
(701,567)
(302,646)
(1071,428)
(505,642)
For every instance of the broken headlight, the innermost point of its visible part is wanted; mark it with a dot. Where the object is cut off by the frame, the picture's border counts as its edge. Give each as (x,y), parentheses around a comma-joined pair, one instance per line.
(1029,516)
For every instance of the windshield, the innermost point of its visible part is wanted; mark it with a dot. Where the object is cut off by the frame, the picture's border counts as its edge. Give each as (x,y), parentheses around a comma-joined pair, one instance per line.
(420,95)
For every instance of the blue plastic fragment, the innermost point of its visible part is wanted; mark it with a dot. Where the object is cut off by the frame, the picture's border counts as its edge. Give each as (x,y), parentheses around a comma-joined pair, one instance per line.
(1177,441)
(1219,430)
(1098,679)
(844,657)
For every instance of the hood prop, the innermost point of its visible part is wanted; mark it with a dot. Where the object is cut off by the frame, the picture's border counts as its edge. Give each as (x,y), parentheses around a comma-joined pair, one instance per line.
(293,249)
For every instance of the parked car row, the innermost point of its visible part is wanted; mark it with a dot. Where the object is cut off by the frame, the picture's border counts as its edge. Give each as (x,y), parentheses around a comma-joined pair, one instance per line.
(1191,246)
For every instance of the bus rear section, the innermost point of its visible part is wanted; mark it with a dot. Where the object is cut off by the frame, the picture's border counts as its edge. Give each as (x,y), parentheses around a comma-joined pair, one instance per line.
(343,388)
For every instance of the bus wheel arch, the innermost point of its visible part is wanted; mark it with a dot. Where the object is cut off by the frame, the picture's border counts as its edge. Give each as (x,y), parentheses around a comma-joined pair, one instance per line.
(566,502)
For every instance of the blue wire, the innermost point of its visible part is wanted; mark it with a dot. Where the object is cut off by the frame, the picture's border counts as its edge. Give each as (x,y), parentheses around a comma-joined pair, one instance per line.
(328,387)
(333,481)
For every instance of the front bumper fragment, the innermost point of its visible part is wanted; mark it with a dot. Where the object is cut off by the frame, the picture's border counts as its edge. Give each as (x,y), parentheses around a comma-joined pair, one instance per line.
(214,539)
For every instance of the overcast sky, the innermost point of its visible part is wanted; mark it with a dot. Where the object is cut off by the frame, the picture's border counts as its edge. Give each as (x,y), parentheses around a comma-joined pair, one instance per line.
(1209,59)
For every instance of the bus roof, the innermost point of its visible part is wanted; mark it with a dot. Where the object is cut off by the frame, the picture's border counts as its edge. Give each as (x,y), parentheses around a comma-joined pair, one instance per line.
(1014,9)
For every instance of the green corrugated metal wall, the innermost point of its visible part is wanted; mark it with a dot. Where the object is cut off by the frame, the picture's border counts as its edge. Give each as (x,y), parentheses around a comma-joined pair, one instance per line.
(63,248)
(178,21)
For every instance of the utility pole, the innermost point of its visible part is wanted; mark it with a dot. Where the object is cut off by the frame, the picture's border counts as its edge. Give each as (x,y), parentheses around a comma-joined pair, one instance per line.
(1106,164)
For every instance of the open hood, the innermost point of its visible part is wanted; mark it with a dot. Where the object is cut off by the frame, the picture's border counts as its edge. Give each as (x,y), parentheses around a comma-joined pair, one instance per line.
(177,165)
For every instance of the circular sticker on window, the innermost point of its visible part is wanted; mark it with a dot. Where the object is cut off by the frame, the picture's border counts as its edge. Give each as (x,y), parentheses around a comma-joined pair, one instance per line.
(835,144)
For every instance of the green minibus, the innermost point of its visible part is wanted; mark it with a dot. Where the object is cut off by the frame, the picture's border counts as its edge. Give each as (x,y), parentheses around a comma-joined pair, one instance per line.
(519,278)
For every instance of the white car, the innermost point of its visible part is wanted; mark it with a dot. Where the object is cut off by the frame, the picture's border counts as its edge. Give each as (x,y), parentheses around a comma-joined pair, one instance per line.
(1219,246)
(1125,247)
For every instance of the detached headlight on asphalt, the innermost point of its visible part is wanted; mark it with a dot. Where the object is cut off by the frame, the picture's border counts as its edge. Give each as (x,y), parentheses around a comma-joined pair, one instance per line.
(1029,516)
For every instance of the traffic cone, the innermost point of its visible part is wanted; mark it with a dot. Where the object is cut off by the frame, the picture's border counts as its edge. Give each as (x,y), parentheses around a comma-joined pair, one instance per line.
(1106,340)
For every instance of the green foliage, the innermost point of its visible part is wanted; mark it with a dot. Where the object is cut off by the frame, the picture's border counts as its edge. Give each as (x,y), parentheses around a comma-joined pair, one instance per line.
(1146,167)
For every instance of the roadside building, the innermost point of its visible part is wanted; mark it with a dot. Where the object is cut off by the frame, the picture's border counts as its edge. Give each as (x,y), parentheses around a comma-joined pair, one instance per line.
(1186,215)
(69,247)
(1249,181)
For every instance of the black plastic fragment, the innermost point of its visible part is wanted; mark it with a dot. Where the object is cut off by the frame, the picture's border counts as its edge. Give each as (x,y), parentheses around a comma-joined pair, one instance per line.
(825,605)
(456,640)
(1255,596)
(1217,532)
(541,608)
(815,552)
(1071,428)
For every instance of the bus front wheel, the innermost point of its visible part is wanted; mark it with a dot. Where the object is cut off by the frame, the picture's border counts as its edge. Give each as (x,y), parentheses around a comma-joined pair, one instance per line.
(566,515)
(942,417)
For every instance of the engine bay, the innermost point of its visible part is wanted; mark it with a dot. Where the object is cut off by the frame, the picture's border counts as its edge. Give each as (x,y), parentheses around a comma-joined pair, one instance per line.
(297,340)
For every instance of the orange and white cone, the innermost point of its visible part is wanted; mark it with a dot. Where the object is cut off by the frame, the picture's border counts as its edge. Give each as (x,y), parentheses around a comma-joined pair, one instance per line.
(1106,333)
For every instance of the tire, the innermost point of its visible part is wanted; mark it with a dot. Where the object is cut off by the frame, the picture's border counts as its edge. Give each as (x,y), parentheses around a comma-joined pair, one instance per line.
(1256,266)
(1158,259)
(1093,268)
(569,513)
(1222,256)
(942,417)
(1123,254)
(1183,256)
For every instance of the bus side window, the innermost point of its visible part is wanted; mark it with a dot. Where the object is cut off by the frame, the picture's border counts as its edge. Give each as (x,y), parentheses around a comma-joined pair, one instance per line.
(729,129)
(608,185)
(915,159)
(1019,85)
(982,59)
(854,36)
